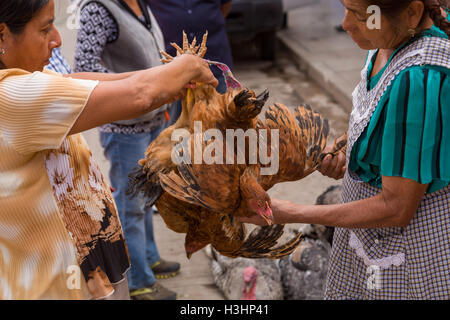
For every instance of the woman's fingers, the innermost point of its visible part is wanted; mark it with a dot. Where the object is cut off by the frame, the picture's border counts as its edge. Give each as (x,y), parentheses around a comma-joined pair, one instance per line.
(344,168)
(206,76)
(333,166)
(201,70)
(342,161)
(323,168)
(340,166)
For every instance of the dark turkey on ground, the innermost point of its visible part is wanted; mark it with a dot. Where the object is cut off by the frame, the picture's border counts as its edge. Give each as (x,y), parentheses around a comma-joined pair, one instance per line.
(304,272)
(333,195)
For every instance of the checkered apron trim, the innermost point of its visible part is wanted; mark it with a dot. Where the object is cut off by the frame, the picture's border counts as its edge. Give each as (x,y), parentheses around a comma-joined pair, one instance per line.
(392,263)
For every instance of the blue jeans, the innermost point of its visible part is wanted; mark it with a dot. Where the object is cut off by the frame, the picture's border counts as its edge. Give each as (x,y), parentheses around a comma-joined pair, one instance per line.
(175,110)
(124,151)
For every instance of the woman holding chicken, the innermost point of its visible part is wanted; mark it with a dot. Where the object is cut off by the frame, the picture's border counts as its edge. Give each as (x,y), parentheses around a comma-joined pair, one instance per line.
(106,28)
(60,236)
(392,239)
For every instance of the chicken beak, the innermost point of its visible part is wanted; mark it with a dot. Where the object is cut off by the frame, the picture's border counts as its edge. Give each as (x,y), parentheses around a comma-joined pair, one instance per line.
(189,255)
(267,215)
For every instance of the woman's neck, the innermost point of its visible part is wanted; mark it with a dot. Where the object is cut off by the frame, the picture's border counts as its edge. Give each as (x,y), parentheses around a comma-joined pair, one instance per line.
(381,60)
(384,55)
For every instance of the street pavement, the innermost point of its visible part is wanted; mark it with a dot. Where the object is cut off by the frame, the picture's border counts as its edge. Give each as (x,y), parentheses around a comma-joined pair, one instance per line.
(310,50)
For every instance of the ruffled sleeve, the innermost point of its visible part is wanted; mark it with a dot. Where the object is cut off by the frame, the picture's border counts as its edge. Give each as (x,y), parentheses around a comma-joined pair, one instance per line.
(416,135)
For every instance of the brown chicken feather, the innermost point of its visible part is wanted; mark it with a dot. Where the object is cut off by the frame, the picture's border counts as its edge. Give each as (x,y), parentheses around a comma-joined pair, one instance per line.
(222,188)
(144,178)
(303,136)
(225,233)
(175,213)
(216,187)
(203,200)
(222,231)
(214,110)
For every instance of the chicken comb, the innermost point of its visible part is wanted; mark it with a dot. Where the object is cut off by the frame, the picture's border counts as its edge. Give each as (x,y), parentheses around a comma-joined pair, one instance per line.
(231,81)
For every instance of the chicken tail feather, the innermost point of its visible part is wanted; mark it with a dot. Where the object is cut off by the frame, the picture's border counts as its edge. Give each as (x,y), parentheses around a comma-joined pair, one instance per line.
(176,187)
(314,130)
(274,253)
(138,183)
(260,244)
(246,106)
(340,146)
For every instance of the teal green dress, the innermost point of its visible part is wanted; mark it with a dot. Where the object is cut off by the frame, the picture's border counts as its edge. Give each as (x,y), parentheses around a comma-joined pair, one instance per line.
(409,133)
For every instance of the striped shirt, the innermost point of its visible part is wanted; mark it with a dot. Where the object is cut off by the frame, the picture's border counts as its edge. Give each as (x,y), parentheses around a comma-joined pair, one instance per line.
(60,235)
(58,63)
(409,133)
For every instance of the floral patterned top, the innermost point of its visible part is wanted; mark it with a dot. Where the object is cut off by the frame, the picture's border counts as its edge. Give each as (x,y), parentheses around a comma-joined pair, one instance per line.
(60,235)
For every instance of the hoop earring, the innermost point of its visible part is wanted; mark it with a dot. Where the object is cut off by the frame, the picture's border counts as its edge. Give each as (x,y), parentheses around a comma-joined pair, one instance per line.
(2,52)
(412,32)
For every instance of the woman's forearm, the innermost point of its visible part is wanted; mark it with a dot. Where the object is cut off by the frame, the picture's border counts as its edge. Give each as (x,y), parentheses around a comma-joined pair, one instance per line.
(156,86)
(141,92)
(394,206)
(367,213)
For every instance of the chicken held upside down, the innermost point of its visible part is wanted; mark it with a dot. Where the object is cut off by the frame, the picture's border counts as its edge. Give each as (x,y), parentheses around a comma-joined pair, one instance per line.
(203,200)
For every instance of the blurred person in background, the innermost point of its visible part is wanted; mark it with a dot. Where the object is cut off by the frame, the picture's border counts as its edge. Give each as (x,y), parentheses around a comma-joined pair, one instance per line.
(195,17)
(58,63)
(121,36)
(337,14)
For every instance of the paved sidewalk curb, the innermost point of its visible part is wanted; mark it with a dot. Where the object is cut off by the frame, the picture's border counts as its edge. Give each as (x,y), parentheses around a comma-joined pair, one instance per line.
(327,79)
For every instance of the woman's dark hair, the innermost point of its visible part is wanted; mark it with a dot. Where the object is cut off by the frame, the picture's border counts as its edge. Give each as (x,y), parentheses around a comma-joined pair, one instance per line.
(432,8)
(17,13)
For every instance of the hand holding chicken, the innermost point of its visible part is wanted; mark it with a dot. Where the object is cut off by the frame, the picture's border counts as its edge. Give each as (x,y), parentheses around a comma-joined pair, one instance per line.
(206,200)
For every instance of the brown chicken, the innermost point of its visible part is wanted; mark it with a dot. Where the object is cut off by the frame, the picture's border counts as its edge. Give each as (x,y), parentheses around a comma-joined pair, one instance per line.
(232,110)
(203,200)
(222,231)
(241,189)
(229,191)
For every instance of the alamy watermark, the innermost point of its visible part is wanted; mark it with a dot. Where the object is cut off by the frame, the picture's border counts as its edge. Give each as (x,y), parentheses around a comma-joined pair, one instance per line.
(258,147)
(73,281)
(74,12)
(374,281)
(374,20)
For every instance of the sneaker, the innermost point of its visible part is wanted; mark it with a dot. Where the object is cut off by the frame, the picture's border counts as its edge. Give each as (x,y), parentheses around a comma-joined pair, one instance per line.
(155,209)
(155,292)
(163,269)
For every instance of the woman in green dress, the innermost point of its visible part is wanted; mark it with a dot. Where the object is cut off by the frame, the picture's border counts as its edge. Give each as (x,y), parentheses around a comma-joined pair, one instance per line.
(392,236)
